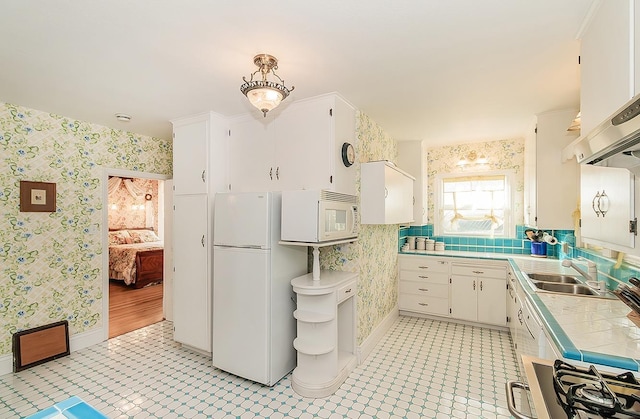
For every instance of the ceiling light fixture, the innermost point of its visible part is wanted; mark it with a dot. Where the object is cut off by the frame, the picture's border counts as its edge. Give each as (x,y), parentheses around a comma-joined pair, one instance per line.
(265,94)
(123,117)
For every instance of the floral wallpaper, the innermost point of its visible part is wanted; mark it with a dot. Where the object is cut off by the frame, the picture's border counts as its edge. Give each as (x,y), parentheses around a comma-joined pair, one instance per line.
(500,155)
(51,263)
(121,213)
(374,255)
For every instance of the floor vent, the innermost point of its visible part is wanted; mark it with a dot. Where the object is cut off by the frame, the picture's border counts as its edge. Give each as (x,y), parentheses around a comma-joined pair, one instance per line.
(41,344)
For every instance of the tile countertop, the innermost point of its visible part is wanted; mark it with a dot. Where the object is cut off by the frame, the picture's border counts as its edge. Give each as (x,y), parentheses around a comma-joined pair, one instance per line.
(588,329)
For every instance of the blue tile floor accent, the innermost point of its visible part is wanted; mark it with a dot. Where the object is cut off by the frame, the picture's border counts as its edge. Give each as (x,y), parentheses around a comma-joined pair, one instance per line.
(421,369)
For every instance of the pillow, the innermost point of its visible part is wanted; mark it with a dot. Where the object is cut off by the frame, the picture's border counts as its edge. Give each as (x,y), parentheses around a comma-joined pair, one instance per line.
(143,236)
(119,237)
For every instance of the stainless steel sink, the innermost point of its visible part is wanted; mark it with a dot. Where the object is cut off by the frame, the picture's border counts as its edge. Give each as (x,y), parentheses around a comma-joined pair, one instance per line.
(564,279)
(574,289)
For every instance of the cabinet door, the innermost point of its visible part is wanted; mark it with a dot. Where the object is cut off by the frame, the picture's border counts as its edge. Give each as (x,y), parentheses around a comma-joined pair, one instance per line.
(553,174)
(411,158)
(398,196)
(492,301)
(605,63)
(589,186)
(613,227)
(619,186)
(251,155)
(636,47)
(190,158)
(386,194)
(191,290)
(512,312)
(303,146)
(464,300)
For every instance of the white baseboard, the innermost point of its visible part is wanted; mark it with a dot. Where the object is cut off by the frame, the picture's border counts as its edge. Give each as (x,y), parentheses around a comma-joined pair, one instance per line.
(86,339)
(76,343)
(378,333)
(6,364)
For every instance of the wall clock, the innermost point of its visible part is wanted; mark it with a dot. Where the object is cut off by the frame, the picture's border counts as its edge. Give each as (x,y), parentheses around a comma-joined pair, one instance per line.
(348,154)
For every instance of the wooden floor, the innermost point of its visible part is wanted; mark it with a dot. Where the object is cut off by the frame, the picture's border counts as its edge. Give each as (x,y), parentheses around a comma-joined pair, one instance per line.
(131,309)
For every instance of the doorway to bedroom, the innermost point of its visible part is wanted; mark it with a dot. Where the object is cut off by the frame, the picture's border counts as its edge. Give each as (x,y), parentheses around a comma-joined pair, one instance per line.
(136,232)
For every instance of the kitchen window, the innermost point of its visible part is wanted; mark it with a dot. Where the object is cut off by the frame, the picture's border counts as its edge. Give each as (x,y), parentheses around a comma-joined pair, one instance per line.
(476,204)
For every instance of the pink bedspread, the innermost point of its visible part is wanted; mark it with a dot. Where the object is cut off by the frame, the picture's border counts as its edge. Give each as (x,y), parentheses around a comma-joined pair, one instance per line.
(122,259)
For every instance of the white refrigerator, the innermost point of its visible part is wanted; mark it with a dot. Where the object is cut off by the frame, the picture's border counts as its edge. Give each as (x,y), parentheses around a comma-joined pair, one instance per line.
(253,301)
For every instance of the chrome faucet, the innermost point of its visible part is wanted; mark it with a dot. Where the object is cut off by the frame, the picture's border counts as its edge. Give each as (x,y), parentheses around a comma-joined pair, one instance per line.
(591,274)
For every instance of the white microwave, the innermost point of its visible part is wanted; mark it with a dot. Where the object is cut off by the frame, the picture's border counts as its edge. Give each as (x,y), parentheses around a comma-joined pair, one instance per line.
(316,216)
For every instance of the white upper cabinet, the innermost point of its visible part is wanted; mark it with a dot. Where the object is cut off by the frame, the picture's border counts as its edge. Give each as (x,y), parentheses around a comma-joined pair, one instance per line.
(190,147)
(607,65)
(251,154)
(545,172)
(636,47)
(386,194)
(303,145)
(296,147)
(413,159)
(607,206)
(199,147)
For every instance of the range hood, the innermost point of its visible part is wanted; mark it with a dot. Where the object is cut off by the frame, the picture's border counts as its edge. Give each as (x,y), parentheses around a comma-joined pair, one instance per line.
(613,143)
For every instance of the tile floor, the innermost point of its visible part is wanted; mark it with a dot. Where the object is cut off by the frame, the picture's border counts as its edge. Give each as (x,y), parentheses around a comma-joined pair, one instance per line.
(421,369)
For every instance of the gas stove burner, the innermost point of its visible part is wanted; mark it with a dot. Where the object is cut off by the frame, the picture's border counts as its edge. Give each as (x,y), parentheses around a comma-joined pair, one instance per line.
(594,395)
(587,391)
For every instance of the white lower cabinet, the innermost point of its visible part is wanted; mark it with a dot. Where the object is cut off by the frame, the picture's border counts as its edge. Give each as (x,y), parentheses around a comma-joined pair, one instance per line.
(479,293)
(463,289)
(326,332)
(512,302)
(424,285)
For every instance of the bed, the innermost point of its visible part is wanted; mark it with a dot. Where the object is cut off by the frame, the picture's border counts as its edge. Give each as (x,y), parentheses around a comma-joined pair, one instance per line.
(136,256)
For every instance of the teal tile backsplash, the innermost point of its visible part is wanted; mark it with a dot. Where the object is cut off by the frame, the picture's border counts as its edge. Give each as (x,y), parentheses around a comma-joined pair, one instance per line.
(516,246)
(607,267)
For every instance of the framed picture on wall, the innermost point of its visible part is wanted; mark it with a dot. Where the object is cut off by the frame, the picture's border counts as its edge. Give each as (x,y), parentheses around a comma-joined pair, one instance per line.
(37,196)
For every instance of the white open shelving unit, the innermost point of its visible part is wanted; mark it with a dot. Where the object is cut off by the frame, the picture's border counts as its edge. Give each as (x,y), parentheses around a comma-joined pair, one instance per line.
(326,326)
(326,332)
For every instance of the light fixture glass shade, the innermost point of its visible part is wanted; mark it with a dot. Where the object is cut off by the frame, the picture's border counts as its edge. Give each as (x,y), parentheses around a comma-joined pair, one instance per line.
(265,94)
(264,98)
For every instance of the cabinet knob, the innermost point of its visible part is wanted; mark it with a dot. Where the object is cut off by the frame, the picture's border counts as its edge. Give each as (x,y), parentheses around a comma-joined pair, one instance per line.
(386,192)
(423,304)
(480,285)
(203,175)
(348,291)
(474,284)
(271,173)
(423,267)
(423,276)
(278,173)
(478,272)
(423,289)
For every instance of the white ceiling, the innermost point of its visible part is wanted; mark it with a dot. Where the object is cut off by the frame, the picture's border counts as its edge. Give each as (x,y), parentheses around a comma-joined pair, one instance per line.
(448,71)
